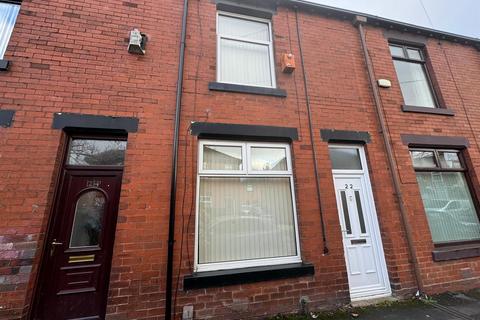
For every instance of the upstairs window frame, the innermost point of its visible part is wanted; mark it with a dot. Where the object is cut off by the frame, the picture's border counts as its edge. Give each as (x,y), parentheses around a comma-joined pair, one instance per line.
(8,31)
(423,62)
(269,43)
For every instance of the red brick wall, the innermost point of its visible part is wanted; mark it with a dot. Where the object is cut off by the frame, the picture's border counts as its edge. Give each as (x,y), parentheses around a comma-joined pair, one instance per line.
(72,57)
(452,66)
(340,99)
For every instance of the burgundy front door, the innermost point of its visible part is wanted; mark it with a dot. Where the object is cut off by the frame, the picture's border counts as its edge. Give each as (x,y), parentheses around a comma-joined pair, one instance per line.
(75,274)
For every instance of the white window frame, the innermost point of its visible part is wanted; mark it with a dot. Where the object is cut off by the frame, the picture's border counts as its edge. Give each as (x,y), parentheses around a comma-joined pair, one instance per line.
(201,267)
(268,43)
(222,144)
(4,46)
(361,153)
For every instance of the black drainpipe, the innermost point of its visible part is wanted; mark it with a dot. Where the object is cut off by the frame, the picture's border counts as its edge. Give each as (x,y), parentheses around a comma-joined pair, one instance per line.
(173,182)
(310,126)
(358,22)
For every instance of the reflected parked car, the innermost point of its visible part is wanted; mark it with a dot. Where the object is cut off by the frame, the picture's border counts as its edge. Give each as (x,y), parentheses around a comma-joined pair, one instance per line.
(452,216)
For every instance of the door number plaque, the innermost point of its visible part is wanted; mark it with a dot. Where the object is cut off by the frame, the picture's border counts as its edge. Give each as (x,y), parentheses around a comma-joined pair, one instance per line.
(93,183)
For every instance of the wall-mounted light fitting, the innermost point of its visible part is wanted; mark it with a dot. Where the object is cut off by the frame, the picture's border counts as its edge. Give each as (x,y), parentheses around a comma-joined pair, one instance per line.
(384,83)
(137,42)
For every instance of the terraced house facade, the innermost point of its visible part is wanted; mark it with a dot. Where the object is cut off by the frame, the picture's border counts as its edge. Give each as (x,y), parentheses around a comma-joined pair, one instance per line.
(230,159)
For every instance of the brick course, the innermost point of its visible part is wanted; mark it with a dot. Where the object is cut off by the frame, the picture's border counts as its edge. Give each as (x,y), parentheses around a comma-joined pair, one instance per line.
(72,57)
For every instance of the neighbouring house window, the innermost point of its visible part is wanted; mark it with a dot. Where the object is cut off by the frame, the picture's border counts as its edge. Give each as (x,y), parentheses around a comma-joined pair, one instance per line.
(8,15)
(244,50)
(446,195)
(245,206)
(413,76)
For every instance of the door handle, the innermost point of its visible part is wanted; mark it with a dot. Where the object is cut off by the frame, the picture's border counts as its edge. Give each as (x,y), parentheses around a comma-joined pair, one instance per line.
(54,244)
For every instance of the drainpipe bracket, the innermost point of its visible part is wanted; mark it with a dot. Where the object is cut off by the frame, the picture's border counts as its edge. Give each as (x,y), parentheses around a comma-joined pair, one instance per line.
(359,20)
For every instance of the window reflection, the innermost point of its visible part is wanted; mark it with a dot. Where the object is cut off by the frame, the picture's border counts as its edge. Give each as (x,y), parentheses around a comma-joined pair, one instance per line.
(84,152)
(345,158)
(269,159)
(414,84)
(222,158)
(423,159)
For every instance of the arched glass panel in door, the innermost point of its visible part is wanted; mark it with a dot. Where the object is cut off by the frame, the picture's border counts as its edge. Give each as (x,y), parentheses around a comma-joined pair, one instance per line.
(87,223)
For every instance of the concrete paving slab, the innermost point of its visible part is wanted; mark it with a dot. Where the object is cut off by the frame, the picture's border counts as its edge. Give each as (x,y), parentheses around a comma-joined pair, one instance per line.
(447,306)
(416,312)
(467,303)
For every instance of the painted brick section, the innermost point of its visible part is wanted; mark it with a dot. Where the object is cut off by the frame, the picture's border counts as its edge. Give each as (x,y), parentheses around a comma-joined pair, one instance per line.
(72,57)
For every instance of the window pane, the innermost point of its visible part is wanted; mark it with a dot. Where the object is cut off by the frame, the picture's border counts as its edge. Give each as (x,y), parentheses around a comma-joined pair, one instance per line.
(397,51)
(345,158)
(222,158)
(449,206)
(245,218)
(87,223)
(8,15)
(449,159)
(423,159)
(358,201)
(414,84)
(236,27)
(96,152)
(245,63)
(414,54)
(346,215)
(271,159)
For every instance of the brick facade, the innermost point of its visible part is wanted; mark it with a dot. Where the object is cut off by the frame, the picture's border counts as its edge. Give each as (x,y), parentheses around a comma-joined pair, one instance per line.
(72,57)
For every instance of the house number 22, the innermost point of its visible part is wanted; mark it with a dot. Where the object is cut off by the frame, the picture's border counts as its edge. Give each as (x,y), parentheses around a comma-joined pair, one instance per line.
(348,186)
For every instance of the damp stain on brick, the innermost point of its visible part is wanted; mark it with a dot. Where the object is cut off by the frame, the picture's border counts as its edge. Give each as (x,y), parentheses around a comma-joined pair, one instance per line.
(130,4)
(41,66)
(63,49)
(28,12)
(71,15)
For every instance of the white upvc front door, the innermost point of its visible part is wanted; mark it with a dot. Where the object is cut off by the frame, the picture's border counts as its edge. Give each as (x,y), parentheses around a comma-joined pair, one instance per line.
(365,260)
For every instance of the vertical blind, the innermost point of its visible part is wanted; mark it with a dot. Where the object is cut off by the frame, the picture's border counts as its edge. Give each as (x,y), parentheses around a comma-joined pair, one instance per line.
(244,51)
(449,206)
(8,15)
(244,218)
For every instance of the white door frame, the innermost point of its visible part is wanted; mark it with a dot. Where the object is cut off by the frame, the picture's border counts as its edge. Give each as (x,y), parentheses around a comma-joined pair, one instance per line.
(373,221)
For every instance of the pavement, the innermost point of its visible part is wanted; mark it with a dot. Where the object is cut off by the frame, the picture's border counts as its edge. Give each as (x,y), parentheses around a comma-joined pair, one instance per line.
(447,306)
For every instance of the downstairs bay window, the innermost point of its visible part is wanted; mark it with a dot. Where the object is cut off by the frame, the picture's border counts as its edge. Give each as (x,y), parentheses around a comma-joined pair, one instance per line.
(245,206)
(447,199)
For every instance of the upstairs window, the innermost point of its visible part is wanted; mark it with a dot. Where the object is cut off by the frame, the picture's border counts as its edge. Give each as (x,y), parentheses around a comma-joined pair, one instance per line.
(244,50)
(8,16)
(446,195)
(413,76)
